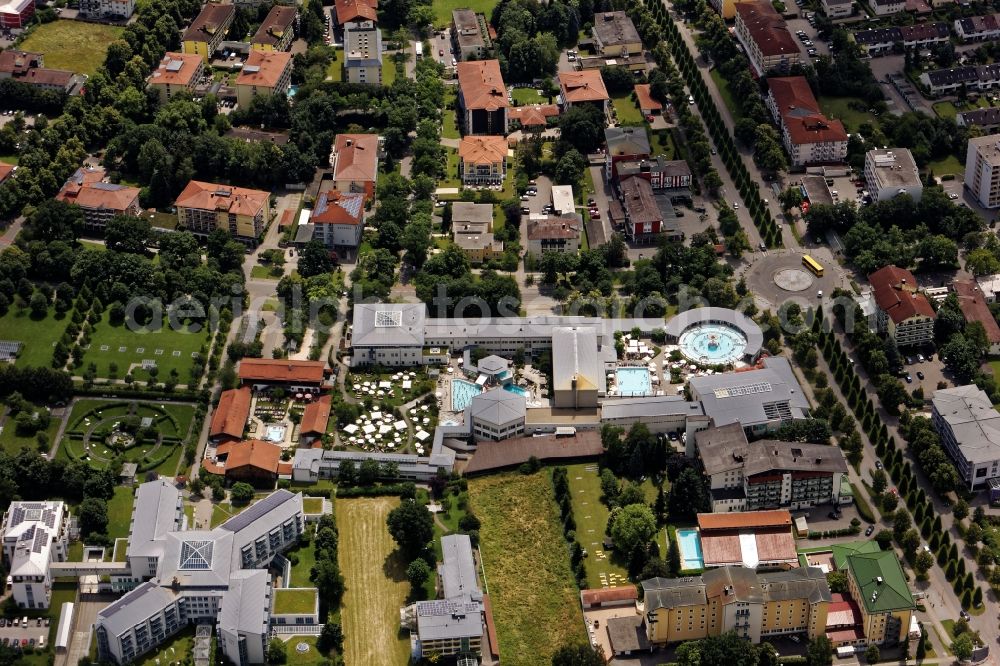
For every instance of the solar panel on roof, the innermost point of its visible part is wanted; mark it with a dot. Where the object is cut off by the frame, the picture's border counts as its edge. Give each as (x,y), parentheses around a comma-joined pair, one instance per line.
(49,519)
(272,501)
(746,389)
(252,69)
(41,539)
(17,517)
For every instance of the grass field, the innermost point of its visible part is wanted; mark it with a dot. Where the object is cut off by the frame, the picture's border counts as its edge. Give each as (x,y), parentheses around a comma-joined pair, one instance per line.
(12,443)
(74,45)
(591,517)
(289,602)
(727,96)
(176,650)
(443,9)
(663,143)
(949,110)
(451,170)
(949,165)
(529,95)
(628,112)
(140,346)
(449,117)
(838,107)
(376,585)
(335,71)
(120,512)
(37,335)
(300,571)
(535,604)
(267,272)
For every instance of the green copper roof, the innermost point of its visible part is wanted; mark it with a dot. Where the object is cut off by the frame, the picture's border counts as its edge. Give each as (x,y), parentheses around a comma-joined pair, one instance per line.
(841,551)
(889,595)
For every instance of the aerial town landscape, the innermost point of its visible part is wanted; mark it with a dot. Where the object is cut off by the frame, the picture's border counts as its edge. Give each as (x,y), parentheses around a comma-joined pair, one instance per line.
(517,332)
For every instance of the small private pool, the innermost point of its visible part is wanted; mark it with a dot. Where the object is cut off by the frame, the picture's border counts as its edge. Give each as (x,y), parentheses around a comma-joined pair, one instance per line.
(274,433)
(690,547)
(462,393)
(634,381)
(517,389)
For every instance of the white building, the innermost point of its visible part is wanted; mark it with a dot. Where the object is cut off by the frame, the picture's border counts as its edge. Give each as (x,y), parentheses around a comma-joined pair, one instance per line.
(838,8)
(497,414)
(888,7)
(562,200)
(35,534)
(982,170)
(363,53)
(970,432)
(808,135)
(195,576)
(890,172)
(990,286)
(114,9)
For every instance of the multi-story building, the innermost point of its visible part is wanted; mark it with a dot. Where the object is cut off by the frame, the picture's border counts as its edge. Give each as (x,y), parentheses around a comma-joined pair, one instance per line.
(479,247)
(177,73)
(98,200)
(767,474)
(662,174)
(354,160)
(550,233)
(836,9)
(497,414)
(204,207)
(890,172)
(472,229)
(482,98)
(982,170)
(585,87)
(901,311)
(888,7)
(532,117)
(470,37)
(349,11)
(207,31)
(338,219)
(972,78)
(765,38)
(978,28)
(970,431)
(35,534)
(29,68)
(482,160)
(882,41)
(197,576)
(452,625)
(986,119)
(757,540)
(808,135)
(109,9)
(293,376)
(976,308)
(363,52)
(877,581)
(725,8)
(624,144)
(15,14)
(263,73)
(646,215)
(735,599)
(277,30)
(615,35)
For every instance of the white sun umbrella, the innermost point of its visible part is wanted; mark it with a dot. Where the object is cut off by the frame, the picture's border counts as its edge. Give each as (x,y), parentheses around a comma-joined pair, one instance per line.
(376,415)
(424,407)
(381,393)
(422,435)
(383,429)
(652,364)
(350,428)
(450,369)
(436,395)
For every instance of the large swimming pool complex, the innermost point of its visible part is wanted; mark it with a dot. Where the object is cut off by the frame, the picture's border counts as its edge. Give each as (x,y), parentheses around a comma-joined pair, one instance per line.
(690,547)
(634,381)
(713,343)
(462,393)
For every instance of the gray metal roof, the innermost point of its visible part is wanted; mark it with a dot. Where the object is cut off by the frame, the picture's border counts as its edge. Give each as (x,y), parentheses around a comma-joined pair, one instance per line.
(714,315)
(245,605)
(258,510)
(753,397)
(627,634)
(725,448)
(446,619)
(575,356)
(378,324)
(157,510)
(498,407)
(458,569)
(141,603)
(649,406)
(466,211)
(673,592)
(974,422)
(800,583)
(492,364)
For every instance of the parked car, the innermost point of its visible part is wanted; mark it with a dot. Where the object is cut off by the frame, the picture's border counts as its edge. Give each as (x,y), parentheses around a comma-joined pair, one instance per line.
(952,196)
(920,374)
(525,210)
(878,464)
(868,532)
(909,379)
(595,214)
(736,205)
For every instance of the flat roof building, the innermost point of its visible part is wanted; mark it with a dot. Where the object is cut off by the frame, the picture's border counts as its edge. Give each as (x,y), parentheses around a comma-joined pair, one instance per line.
(970,431)
(577,368)
(890,172)
(469,34)
(615,34)
(982,170)
(363,53)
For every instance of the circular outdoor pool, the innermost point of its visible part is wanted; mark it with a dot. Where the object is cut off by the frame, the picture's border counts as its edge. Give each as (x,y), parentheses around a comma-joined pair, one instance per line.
(715,344)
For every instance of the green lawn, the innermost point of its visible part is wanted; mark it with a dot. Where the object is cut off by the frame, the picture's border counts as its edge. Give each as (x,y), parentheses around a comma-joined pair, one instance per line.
(443,9)
(307,559)
(838,107)
(37,335)
(523,96)
(388,71)
(628,112)
(312,504)
(526,566)
(311,657)
(175,350)
(449,118)
(335,71)
(295,602)
(663,144)
(12,443)
(451,174)
(267,272)
(949,165)
(120,512)
(950,109)
(163,220)
(727,96)
(10,159)
(74,45)
(176,650)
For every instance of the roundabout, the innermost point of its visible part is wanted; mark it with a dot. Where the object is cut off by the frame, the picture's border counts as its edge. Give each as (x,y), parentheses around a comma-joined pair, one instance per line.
(779,276)
(793,279)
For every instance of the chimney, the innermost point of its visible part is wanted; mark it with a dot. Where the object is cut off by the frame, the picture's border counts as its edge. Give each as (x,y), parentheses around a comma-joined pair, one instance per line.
(349,142)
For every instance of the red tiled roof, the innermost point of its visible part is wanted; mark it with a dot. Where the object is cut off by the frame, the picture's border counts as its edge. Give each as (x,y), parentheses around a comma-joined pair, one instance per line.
(482,85)
(842,612)
(176,69)
(532,115)
(584,86)
(766,27)
(5,171)
(730,521)
(645,98)
(483,149)
(235,200)
(357,157)
(334,207)
(264,69)
(285,468)
(895,294)
(801,114)
(553,228)
(230,417)
(119,198)
(974,308)
(352,10)
(47,77)
(610,594)
(281,370)
(316,416)
(252,452)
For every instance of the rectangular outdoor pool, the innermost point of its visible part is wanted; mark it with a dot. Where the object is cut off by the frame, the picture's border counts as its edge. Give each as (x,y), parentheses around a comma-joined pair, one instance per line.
(462,393)
(690,547)
(517,389)
(634,381)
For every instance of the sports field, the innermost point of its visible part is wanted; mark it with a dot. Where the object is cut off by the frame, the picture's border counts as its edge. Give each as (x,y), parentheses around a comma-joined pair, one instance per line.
(74,45)
(535,601)
(37,335)
(375,580)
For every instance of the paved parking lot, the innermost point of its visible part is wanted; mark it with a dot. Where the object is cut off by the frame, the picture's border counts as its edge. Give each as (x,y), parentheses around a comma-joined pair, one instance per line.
(933,371)
(21,633)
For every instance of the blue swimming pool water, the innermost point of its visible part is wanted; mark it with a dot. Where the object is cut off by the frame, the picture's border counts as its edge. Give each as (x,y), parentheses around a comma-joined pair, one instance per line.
(634,381)
(713,343)
(690,547)
(516,389)
(274,433)
(462,393)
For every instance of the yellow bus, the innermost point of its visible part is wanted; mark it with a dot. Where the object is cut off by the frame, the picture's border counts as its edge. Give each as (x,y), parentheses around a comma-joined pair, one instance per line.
(812,265)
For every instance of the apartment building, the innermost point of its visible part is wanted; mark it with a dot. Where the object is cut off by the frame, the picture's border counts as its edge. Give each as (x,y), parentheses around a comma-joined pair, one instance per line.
(615,35)
(888,7)
(550,233)
(482,98)
(624,144)
(765,38)
(204,207)
(338,219)
(809,136)
(890,172)
(735,599)
(354,160)
(277,30)
(582,88)
(208,29)
(29,68)
(646,215)
(662,174)
(482,160)
(986,119)
(263,73)
(975,308)
(973,78)
(836,9)
(982,170)
(902,312)
(877,581)
(99,201)
(970,432)
(363,53)
(479,247)
(470,37)
(978,28)
(35,534)
(177,74)
(107,9)
(767,474)
(349,11)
